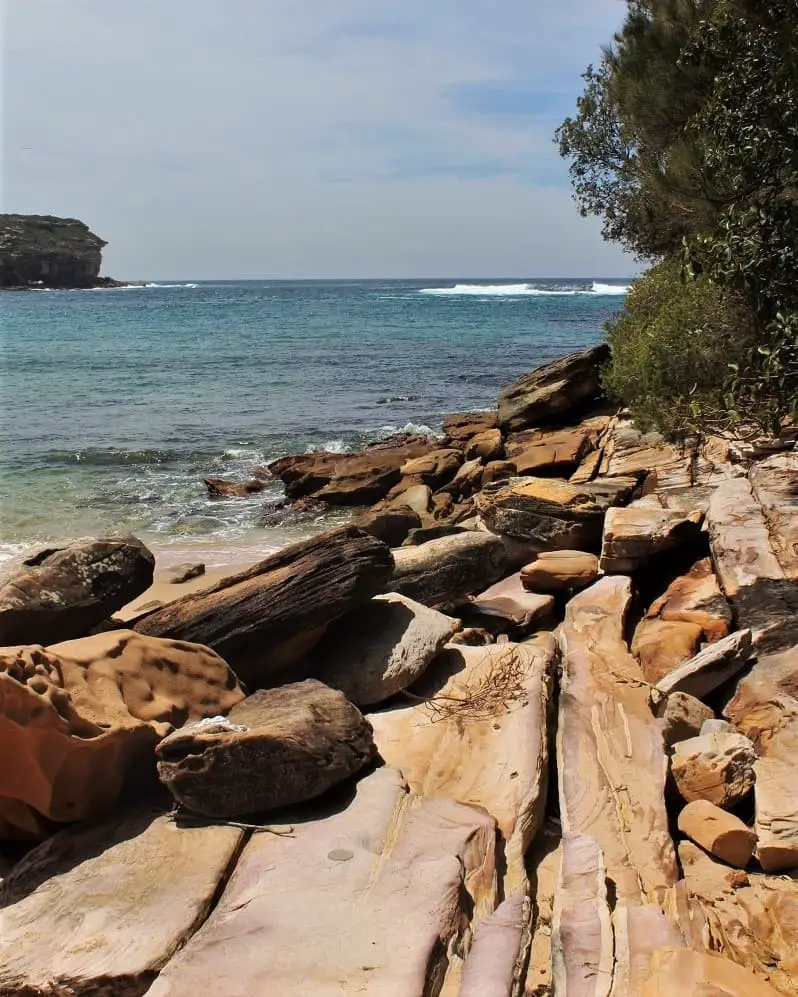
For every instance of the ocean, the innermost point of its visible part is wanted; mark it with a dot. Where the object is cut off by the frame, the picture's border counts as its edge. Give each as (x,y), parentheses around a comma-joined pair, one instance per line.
(116,403)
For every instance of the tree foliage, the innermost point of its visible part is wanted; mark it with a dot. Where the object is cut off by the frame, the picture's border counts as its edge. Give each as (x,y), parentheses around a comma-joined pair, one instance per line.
(685,142)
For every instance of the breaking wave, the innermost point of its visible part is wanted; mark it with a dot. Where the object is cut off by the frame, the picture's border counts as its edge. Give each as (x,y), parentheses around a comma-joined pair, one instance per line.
(526,290)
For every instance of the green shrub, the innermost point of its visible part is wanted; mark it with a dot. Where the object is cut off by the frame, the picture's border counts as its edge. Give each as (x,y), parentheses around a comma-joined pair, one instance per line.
(672,348)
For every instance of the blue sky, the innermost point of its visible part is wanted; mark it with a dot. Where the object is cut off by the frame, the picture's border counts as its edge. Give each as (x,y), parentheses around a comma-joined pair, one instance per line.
(305,138)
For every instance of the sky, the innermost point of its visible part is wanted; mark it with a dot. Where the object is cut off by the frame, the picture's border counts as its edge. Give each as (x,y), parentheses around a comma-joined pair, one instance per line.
(224,139)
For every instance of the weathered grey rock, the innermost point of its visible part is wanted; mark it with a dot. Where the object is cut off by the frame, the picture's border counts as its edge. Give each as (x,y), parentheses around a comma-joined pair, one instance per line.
(444,572)
(552,514)
(714,767)
(554,390)
(715,727)
(219,488)
(277,747)
(389,525)
(641,531)
(100,908)
(510,601)
(560,570)
(683,717)
(60,594)
(381,648)
(269,616)
(710,668)
(720,833)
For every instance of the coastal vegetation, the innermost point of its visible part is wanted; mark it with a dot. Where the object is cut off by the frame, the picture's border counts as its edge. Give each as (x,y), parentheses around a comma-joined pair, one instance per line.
(685,145)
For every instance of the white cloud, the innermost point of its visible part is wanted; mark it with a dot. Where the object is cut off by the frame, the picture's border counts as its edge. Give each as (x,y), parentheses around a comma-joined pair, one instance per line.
(300,137)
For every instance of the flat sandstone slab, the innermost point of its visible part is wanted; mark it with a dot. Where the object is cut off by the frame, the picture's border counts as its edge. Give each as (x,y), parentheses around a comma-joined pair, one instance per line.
(365,900)
(100,910)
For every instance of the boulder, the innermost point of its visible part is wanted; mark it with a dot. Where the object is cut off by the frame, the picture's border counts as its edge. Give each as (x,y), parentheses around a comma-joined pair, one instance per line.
(718,832)
(434,468)
(710,668)
(415,538)
(712,726)
(463,426)
(714,767)
(101,908)
(276,748)
(555,452)
(466,481)
(515,605)
(63,593)
(610,754)
(496,963)
(562,387)
(81,720)
(183,573)
(269,616)
(369,897)
(692,610)
(477,734)
(219,488)
(498,470)
(485,446)
(350,479)
(416,497)
(549,513)
(381,648)
(636,534)
(748,918)
(683,717)
(560,571)
(444,572)
(391,526)
(776,806)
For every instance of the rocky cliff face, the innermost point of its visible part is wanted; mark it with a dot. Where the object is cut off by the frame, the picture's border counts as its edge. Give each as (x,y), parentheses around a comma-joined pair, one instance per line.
(41,250)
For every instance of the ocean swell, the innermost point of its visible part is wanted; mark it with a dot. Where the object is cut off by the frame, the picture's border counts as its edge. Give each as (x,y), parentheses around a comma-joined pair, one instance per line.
(525,290)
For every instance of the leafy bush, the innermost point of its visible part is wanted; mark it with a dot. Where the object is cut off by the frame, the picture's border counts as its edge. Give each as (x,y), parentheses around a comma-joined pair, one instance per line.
(672,348)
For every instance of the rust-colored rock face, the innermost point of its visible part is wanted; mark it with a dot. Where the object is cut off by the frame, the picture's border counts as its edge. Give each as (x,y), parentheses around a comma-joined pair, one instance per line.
(79,721)
(560,570)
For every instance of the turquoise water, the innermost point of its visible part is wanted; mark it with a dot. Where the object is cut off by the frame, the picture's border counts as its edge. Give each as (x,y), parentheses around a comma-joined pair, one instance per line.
(116,403)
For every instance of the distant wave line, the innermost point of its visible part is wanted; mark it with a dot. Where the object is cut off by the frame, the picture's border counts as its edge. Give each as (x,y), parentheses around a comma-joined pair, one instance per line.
(525,290)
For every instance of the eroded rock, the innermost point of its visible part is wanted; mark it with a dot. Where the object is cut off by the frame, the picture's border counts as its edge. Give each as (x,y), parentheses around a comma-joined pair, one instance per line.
(714,767)
(683,717)
(560,570)
(636,534)
(718,832)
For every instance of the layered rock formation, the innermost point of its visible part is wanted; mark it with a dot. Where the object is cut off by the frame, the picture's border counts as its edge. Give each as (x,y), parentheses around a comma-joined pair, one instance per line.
(45,251)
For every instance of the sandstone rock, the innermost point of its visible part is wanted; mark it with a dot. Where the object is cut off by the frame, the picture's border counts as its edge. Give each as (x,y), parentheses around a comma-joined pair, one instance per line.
(101,908)
(714,767)
(675,972)
(748,918)
(43,250)
(554,390)
(278,747)
(598,951)
(81,720)
(485,446)
(480,738)
(588,469)
(550,513)
(610,755)
(560,570)
(60,594)
(776,800)
(184,573)
(692,609)
(350,479)
(684,717)
(219,488)
(549,452)
(636,534)
(472,637)
(389,525)
(715,727)
(510,601)
(498,470)
(434,468)
(415,538)
(467,480)
(402,881)
(710,668)
(495,965)
(269,616)
(417,498)
(774,483)
(381,648)
(720,833)
(544,862)
(627,451)
(465,425)
(444,572)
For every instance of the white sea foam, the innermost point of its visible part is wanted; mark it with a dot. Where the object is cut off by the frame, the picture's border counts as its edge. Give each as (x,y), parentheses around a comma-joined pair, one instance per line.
(524,290)
(416,428)
(153,284)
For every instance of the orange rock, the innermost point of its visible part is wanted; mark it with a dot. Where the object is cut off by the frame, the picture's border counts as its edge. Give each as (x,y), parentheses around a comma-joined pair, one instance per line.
(486,445)
(559,570)
(720,833)
(684,973)
(81,719)
(714,767)
(549,451)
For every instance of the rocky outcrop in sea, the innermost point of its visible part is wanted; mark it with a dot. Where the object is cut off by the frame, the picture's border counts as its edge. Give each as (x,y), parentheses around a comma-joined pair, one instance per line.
(527,727)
